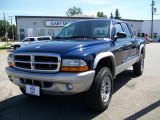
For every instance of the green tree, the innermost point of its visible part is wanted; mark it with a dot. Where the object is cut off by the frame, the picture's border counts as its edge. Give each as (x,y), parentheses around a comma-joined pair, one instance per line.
(4,27)
(111,17)
(117,14)
(101,14)
(12,32)
(74,11)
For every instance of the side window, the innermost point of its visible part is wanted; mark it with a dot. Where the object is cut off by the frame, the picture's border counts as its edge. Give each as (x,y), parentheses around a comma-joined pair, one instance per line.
(43,38)
(126,29)
(118,28)
(26,40)
(31,39)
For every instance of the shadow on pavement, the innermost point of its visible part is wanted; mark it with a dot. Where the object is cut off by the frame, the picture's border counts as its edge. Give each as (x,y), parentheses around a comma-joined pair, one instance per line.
(22,107)
(144,111)
(122,79)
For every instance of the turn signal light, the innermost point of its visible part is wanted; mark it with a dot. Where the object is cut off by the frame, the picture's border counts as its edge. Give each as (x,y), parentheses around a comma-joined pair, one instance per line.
(10,64)
(74,69)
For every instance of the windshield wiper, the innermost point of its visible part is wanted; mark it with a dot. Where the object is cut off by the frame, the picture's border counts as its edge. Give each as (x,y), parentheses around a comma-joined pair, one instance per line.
(75,36)
(82,36)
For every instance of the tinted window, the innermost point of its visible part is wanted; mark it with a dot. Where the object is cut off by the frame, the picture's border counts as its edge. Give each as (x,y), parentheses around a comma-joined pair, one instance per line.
(118,28)
(93,28)
(31,39)
(43,38)
(126,29)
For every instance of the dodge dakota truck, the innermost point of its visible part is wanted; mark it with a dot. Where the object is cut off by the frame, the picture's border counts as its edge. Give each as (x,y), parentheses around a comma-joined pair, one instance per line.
(84,57)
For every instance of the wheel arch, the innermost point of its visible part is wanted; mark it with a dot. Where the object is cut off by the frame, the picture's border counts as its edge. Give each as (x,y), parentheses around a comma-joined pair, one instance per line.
(142,50)
(106,59)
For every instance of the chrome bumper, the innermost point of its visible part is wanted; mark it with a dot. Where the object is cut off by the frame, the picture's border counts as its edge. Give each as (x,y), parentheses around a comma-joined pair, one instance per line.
(79,82)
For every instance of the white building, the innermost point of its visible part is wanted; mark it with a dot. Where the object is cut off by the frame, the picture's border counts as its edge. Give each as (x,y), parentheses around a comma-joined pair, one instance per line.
(146,28)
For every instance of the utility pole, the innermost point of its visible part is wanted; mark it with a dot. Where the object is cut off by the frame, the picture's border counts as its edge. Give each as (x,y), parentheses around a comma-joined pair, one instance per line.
(152,11)
(12,27)
(6,27)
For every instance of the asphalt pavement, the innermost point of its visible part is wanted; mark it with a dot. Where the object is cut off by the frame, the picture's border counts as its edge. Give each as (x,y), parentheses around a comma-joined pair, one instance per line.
(133,98)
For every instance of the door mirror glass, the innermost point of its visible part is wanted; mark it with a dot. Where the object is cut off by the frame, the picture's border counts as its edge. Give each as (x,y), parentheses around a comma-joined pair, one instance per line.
(120,35)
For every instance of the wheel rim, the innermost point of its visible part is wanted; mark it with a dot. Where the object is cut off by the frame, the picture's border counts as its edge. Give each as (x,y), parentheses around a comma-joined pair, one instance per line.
(106,89)
(142,63)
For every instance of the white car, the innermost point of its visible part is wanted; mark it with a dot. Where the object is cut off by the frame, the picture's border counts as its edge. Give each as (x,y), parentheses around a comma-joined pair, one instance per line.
(29,40)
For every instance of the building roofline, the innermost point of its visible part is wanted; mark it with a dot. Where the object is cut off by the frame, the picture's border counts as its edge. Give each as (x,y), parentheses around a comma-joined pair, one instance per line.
(23,16)
(132,20)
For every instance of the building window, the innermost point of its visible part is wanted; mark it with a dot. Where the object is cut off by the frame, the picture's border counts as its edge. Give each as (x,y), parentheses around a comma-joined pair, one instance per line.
(138,33)
(41,32)
(155,35)
(57,30)
(22,34)
(51,32)
(30,32)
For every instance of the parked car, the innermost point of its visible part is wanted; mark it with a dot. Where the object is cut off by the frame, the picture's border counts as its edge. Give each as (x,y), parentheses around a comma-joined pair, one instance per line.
(29,40)
(85,57)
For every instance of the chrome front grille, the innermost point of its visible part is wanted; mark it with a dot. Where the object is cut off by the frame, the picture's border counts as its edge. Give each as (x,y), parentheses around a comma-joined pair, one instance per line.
(37,62)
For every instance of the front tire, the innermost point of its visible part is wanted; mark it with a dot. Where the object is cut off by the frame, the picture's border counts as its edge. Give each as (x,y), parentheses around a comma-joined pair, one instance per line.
(139,66)
(101,90)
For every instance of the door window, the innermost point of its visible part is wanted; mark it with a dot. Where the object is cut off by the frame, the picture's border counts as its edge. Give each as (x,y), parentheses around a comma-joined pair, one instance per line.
(126,29)
(31,39)
(118,28)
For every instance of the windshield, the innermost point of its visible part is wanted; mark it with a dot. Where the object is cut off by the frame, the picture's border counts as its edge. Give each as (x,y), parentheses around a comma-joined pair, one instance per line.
(86,29)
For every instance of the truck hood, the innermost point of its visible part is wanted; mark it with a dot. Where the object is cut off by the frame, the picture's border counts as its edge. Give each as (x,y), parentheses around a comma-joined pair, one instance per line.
(61,47)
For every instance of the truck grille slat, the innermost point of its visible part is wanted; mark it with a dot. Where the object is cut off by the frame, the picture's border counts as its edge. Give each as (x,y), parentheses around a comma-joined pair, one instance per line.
(22,57)
(37,62)
(41,84)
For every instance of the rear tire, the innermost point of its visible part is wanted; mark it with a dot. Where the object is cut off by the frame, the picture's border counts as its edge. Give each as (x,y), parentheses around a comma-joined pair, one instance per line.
(139,66)
(100,93)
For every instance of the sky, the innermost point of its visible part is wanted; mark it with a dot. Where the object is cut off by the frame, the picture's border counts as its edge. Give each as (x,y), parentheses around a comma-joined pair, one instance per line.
(129,9)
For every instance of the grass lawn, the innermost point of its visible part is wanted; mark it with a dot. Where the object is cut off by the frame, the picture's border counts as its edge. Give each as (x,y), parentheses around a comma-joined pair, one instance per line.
(5,46)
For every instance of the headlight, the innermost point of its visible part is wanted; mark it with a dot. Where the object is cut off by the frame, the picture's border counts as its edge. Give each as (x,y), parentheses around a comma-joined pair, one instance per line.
(10,59)
(74,65)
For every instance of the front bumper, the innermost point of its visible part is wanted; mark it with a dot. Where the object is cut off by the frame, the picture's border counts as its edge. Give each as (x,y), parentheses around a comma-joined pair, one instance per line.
(80,82)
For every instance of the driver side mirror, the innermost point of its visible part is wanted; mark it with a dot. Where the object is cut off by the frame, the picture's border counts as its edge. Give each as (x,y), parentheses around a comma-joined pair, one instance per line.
(120,35)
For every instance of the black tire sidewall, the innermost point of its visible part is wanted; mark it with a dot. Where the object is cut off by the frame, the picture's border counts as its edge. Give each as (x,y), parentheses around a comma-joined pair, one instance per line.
(106,72)
(137,66)
(95,97)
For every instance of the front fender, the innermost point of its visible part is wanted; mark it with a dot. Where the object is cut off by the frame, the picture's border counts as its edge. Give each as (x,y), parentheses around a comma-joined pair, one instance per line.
(102,55)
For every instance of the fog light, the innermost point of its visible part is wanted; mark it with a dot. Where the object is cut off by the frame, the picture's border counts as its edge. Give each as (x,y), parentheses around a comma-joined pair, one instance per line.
(69,86)
(11,78)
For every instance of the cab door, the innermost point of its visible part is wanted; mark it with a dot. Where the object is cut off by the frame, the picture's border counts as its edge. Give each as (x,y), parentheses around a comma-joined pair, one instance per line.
(132,41)
(122,46)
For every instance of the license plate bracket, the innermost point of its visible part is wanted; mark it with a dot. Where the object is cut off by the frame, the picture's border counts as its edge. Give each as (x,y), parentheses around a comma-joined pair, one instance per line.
(33,90)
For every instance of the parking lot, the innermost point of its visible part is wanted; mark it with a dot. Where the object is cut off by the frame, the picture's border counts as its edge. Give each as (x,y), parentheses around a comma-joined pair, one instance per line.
(133,98)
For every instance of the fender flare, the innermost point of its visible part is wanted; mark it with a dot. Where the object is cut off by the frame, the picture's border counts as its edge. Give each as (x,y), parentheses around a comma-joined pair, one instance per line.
(142,46)
(100,56)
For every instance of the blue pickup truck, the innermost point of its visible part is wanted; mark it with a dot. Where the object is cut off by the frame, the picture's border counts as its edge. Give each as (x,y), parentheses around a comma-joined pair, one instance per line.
(84,57)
